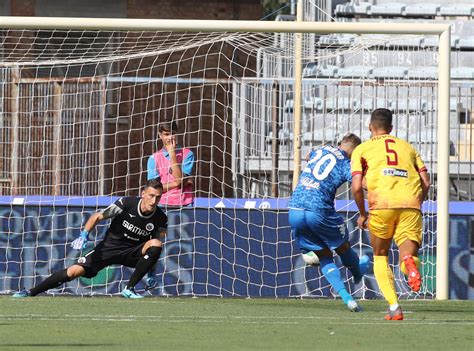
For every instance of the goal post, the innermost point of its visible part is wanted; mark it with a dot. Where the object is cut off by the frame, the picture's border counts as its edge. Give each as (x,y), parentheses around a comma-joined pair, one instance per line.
(442,31)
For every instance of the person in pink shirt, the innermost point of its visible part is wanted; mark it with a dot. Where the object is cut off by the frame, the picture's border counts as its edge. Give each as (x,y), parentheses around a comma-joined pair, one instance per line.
(174,165)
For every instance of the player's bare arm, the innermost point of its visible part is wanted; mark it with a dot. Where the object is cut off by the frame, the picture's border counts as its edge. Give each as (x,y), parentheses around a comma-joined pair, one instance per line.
(425,184)
(93,220)
(358,192)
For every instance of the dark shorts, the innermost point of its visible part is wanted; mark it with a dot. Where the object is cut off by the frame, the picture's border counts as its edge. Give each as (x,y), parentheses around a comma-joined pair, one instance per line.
(107,253)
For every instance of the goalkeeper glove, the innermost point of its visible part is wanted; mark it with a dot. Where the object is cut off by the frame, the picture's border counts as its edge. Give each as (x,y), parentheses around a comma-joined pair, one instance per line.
(80,243)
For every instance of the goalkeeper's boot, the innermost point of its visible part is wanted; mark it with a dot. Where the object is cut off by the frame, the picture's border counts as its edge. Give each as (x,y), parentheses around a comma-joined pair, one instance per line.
(414,276)
(364,262)
(396,315)
(353,306)
(150,283)
(21,294)
(129,293)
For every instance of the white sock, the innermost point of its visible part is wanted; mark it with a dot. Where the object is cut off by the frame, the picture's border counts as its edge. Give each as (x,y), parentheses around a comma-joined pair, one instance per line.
(393,307)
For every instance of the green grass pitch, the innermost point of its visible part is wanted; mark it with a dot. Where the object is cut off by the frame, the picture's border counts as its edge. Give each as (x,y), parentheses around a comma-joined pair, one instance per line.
(113,323)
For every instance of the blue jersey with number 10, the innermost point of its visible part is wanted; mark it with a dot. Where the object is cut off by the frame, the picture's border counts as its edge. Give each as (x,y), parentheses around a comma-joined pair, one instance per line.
(327,169)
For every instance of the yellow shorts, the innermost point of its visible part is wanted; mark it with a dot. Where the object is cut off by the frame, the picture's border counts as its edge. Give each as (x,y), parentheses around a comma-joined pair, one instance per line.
(399,224)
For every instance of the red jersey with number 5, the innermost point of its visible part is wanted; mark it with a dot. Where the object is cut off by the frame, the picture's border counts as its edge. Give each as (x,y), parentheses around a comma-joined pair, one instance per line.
(391,167)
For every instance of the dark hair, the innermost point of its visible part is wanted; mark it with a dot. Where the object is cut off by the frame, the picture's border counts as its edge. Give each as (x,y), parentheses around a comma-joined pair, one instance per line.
(153,183)
(168,126)
(381,118)
(351,138)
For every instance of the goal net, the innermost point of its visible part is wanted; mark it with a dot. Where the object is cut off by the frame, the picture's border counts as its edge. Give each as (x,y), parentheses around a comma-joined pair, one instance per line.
(79,116)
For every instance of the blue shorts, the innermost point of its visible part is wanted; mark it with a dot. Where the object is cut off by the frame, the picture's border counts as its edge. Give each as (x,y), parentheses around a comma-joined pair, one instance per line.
(317,230)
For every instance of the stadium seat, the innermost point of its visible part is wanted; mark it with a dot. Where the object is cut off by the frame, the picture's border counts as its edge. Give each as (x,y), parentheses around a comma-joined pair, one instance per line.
(310,71)
(405,42)
(423,73)
(461,9)
(309,102)
(427,140)
(315,102)
(454,105)
(328,71)
(371,38)
(388,9)
(427,136)
(462,73)
(351,8)
(283,134)
(318,121)
(369,104)
(327,135)
(422,10)
(409,105)
(314,71)
(354,72)
(432,41)
(390,72)
(339,39)
(465,43)
(338,103)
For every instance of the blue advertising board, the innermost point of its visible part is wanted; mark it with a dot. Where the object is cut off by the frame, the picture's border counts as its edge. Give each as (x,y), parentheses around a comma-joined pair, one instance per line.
(231,249)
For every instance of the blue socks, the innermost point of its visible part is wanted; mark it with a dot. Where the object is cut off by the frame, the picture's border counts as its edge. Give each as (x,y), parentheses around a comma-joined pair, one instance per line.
(351,261)
(333,276)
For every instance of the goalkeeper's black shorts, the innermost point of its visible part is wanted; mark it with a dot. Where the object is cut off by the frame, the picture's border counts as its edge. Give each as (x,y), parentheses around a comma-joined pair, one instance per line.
(109,252)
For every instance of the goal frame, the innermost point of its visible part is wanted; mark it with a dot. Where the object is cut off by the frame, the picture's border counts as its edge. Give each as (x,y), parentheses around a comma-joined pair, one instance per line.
(443,31)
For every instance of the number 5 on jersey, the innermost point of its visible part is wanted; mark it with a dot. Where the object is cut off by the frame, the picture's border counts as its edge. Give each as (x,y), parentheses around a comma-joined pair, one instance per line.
(392,157)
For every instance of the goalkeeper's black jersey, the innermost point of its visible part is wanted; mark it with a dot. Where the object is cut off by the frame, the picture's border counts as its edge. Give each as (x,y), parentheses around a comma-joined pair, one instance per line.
(129,225)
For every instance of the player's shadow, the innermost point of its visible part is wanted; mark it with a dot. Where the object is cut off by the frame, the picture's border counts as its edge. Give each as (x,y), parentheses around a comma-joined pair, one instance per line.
(308,302)
(56,345)
(441,310)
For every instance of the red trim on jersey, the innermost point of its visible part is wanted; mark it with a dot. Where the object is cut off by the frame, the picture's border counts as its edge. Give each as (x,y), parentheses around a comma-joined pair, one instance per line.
(365,166)
(422,170)
(356,172)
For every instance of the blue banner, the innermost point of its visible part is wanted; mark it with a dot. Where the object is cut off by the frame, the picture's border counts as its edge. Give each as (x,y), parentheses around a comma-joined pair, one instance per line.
(216,251)
(455,207)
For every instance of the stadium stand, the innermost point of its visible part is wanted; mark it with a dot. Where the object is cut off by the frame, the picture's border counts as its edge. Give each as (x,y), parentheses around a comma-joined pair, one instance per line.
(341,90)
(389,72)
(399,9)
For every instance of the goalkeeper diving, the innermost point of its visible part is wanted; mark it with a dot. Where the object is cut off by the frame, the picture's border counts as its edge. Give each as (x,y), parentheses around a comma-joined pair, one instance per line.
(132,240)
(317,227)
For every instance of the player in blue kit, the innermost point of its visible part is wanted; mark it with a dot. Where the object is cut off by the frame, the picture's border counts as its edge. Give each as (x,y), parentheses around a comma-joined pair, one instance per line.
(316,225)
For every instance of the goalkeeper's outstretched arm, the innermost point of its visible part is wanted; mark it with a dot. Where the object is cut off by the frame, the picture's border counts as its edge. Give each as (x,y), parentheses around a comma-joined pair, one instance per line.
(93,220)
(91,223)
(81,241)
